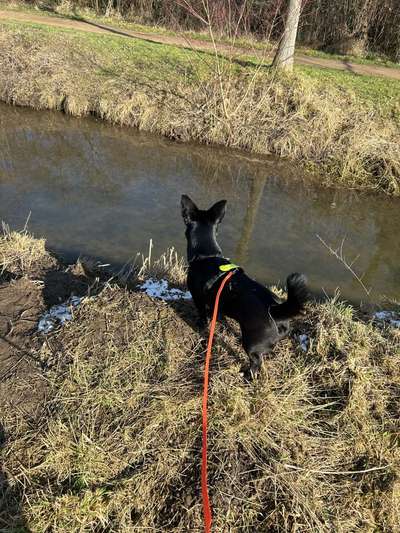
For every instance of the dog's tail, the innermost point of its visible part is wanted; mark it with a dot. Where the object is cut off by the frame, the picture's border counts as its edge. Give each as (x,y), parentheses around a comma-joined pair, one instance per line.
(298,295)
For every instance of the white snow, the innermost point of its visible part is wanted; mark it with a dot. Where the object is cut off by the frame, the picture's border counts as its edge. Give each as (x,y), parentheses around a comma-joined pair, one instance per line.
(58,314)
(388,316)
(159,289)
(61,313)
(304,342)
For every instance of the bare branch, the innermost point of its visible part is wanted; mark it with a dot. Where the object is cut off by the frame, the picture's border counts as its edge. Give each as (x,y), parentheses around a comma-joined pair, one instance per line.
(339,254)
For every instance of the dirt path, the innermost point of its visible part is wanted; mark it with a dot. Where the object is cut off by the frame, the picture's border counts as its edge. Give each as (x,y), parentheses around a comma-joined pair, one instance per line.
(95,27)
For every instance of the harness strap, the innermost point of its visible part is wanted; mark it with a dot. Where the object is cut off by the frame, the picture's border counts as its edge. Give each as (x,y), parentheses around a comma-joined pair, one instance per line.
(223,270)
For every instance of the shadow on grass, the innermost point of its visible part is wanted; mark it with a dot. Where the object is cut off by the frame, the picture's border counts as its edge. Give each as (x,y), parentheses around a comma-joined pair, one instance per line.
(155,40)
(11,514)
(187,312)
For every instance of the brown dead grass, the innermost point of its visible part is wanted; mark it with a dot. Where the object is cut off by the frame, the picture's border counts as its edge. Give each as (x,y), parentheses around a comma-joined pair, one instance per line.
(21,254)
(312,445)
(181,97)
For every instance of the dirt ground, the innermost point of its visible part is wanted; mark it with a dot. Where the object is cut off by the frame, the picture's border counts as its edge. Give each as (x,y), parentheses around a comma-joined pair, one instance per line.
(21,382)
(94,27)
(22,302)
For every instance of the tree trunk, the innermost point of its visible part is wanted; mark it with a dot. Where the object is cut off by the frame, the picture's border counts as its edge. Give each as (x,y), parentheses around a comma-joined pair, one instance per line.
(284,57)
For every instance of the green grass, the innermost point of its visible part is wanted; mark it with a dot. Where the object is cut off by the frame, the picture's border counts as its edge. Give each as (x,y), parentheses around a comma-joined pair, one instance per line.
(165,62)
(382,94)
(243,41)
(147,60)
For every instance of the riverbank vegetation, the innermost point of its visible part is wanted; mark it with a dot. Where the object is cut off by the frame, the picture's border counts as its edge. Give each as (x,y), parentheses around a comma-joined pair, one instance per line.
(113,440)
(344,128)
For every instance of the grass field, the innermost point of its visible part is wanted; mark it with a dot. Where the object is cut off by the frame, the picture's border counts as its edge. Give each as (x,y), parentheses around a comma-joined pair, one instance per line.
(113,444)
(242,41)
(165,63)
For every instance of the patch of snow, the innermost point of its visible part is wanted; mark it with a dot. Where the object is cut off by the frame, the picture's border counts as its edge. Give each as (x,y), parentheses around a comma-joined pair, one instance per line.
(159,289)
(388,316)
(304,342)
(58,314)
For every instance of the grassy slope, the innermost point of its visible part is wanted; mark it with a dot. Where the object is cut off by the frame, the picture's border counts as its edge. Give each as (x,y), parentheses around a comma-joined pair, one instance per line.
(312,445)
(165,62)
(241,41)
(346,127)
(373,91)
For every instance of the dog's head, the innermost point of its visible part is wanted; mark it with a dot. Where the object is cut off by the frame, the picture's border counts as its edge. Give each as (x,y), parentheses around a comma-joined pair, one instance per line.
(202,227)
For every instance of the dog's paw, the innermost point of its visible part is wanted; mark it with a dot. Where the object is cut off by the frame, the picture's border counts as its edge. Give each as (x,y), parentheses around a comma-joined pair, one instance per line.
(202,322)
(248,375)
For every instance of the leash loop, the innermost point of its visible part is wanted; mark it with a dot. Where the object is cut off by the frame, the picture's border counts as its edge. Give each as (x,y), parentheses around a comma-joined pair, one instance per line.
(204,485)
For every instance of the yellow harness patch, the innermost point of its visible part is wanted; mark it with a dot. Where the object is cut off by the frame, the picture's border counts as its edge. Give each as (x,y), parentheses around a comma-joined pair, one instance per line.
(228,267)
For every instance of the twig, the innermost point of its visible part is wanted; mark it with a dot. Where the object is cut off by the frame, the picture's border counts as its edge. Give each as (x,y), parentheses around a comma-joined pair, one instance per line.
(27,222)
(337,472)
(340,256)
(12,367)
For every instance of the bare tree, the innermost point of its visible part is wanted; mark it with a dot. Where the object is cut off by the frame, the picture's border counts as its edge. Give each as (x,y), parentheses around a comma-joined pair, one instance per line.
(284,57)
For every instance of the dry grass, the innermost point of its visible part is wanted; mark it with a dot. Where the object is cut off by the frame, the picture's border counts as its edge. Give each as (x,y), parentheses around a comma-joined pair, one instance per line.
(22,255)
(176,93)
(170,266)
(312,445)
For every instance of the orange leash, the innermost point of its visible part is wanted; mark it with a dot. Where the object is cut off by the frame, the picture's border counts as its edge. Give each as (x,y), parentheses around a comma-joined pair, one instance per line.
(204,486)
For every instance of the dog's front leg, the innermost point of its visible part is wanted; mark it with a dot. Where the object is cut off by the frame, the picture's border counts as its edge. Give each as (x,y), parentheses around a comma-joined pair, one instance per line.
(201,309)
(255,365)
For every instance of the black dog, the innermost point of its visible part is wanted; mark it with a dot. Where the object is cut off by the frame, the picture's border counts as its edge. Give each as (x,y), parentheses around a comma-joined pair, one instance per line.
(263,319)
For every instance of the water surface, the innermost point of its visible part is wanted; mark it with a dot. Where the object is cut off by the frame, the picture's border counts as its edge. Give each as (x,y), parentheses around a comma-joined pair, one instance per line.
(94,189)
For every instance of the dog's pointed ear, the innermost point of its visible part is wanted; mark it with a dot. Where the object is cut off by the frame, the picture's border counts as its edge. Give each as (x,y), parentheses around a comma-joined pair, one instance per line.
(217,211)
(188,209)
